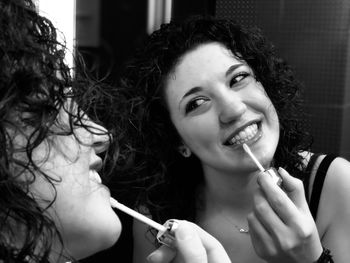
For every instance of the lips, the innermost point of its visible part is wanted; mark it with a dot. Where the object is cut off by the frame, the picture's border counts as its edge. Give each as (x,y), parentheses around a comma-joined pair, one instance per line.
(243,135)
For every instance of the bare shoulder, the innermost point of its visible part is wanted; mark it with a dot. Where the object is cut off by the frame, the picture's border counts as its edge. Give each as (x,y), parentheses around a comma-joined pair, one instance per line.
(142,238)
(334,210)
(337,182)
(338,176)
(334,207)
(333,217)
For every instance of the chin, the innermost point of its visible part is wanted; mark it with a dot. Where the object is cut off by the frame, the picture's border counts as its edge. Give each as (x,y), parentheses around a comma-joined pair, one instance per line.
(98,238)
(267,156)
(110,233)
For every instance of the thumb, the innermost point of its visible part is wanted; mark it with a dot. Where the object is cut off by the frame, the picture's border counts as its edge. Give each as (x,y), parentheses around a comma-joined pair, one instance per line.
(189,244)
(196,245)
(163,254)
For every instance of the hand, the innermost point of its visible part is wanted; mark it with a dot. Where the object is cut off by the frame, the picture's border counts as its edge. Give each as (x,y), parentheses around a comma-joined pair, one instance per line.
(192,245)
(281,226)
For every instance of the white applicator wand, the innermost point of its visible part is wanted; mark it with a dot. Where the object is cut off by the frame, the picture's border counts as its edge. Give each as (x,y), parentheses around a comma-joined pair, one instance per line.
(249,152)
(165,234)
(271,171)
(138,216)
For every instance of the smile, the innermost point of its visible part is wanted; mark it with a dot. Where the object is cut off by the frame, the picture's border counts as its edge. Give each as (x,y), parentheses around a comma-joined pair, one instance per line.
(248,133)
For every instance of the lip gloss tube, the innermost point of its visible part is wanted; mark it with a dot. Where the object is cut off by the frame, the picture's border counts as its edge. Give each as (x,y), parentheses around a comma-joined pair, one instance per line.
(274,175)
(165,232)
(270,171)
(167,237)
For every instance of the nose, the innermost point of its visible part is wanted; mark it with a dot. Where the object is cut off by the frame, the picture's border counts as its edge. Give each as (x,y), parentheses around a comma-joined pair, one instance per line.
(231,107)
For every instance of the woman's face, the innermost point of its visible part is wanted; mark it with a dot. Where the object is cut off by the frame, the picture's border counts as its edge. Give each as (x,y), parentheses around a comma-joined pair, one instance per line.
(82,210)
(216,105)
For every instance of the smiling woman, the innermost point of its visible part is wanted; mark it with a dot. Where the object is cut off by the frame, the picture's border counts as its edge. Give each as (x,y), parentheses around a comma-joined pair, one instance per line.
(230,108)
(198,92)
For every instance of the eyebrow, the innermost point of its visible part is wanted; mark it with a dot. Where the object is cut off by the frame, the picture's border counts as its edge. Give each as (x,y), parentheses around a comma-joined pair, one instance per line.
(192,91)
(233,68)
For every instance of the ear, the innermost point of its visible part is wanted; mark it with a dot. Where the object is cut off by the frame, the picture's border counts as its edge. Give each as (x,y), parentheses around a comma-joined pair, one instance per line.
(184,151)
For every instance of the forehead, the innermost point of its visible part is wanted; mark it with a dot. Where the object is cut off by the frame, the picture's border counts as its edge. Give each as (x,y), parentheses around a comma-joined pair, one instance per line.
(200,67)
(206,56)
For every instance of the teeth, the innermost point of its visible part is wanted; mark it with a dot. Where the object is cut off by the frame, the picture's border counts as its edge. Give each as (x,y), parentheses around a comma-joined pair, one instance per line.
(243,136)
(95,177)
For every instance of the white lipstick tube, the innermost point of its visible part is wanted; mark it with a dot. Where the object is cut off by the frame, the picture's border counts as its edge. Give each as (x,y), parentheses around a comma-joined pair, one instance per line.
(167,237)
(277,178)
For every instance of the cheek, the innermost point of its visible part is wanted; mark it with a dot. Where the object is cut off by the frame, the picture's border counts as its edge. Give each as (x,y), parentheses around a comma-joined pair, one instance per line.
(198,133)
(265,103)
(273,121)
(272,113)
(71,186)
(42,191)
(68,170)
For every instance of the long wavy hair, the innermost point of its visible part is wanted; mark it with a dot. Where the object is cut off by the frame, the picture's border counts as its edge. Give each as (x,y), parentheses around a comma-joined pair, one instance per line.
(35,82)
(167,183)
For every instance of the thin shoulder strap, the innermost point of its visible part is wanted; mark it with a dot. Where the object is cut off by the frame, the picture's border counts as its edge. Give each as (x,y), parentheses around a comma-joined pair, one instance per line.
(318,183)
(308,170)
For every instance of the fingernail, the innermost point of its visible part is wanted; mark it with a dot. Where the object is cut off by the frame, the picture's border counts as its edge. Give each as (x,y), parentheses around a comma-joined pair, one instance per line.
(280,169)
(184,234)
(151,256)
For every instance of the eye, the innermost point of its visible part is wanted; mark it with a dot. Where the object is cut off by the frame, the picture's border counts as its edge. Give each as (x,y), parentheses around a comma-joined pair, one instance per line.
(194,104)
(239,77)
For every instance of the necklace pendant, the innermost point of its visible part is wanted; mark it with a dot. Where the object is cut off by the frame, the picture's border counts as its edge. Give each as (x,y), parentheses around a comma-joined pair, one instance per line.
(243,231)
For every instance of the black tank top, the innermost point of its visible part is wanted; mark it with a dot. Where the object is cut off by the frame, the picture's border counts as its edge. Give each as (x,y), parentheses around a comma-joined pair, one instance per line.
(318,182)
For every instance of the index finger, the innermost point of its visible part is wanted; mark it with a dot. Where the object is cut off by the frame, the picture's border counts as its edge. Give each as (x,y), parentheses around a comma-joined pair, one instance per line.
(278,199)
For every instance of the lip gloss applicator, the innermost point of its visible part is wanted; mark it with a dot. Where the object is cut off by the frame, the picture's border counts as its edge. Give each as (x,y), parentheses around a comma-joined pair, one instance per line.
(271,171)
(165,232)
(138,216)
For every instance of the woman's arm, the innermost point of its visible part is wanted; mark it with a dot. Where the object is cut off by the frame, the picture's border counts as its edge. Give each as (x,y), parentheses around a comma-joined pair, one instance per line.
(333,217)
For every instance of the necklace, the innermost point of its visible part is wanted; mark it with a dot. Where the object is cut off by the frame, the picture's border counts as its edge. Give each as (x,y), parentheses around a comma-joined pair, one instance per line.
(240,229)
(219,210)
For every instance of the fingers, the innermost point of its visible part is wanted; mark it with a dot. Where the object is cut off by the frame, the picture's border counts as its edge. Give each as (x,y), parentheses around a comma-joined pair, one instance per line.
(215,251)
(281,220)
(286,203)
(266,216)
(293,187)
(189,244)
(261,239)
(163,254)
(192,245)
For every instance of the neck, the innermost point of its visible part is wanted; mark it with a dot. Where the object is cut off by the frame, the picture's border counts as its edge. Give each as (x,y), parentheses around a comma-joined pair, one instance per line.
(230,191)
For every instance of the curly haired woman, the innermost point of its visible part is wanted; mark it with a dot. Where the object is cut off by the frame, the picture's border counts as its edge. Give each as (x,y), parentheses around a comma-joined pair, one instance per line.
(53,207)
(199,91)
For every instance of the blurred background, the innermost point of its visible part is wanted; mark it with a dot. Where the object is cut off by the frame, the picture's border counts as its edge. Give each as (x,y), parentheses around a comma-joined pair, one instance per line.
(312,35)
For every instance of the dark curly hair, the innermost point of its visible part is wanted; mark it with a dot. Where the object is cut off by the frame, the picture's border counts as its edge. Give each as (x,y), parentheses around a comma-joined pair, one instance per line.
(35,82)
(168,182)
